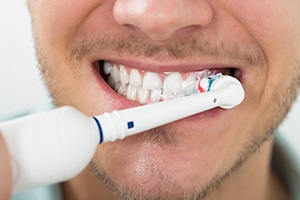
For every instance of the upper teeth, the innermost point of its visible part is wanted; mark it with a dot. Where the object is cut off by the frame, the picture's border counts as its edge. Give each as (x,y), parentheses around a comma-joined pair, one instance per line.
(152,87)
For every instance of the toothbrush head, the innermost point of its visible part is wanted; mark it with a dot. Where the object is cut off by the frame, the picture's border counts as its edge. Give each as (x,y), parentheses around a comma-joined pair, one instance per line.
(232,90)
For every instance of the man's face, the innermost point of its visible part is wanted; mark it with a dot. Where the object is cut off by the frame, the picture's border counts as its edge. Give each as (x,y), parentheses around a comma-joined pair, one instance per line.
(259,40)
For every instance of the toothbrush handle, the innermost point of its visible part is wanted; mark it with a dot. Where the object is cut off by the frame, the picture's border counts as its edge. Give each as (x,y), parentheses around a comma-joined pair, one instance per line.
(120,124)
(49,147)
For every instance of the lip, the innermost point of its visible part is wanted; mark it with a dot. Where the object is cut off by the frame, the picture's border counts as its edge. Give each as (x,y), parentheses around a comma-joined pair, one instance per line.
(170,65)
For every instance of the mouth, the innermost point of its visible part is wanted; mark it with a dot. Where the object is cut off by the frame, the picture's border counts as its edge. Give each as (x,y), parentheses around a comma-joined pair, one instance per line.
(147,87)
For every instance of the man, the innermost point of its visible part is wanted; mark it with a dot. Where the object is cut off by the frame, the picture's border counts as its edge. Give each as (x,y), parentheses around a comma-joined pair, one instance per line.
(213,154)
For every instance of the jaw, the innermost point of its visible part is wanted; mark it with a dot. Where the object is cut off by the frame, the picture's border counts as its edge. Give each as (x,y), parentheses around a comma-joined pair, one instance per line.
(204,149)
(206,141)
(166,162)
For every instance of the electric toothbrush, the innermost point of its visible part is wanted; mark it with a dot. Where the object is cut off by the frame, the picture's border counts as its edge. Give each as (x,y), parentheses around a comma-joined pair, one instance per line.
(56,145)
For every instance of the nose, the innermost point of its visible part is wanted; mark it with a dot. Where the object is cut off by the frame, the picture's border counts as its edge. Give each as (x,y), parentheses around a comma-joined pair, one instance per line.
(159,19)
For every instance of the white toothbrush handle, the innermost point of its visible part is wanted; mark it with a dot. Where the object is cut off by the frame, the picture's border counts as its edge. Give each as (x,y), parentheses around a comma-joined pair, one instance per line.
(49,147)
(227,92)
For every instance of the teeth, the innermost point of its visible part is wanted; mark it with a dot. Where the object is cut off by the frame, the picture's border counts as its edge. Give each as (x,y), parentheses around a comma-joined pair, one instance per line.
(122,89)
(115,74)
(143,95)
(167,94)
(124,77)
(107,68)
(155,95)
(131,92)
(156,87)
(117,86)
(135,78)
(189,85)
(111,81)
(172,86)
(152,81)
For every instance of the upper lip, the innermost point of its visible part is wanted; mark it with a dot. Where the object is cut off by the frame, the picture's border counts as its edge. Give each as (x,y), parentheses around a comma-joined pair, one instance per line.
(188,65)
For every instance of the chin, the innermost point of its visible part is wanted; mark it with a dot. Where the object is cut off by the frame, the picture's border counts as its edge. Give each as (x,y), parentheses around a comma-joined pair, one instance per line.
(165,163)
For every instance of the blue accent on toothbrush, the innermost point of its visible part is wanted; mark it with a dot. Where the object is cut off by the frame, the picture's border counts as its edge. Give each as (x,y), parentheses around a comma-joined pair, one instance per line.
(100,129)
(130,125)
(211,79)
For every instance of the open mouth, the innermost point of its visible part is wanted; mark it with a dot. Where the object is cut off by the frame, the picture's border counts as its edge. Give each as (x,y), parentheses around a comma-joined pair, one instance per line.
(150,87)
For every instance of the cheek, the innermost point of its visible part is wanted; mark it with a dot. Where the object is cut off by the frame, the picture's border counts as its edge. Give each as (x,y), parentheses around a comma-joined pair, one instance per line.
(78,88)
(56,22)
(275,27)
(273,24)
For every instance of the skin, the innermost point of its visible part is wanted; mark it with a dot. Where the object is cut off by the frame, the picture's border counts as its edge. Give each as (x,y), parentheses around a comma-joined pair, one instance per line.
(212,154)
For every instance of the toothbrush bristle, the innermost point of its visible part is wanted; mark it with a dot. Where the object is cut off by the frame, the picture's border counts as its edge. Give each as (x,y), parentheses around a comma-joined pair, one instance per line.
(205,81)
